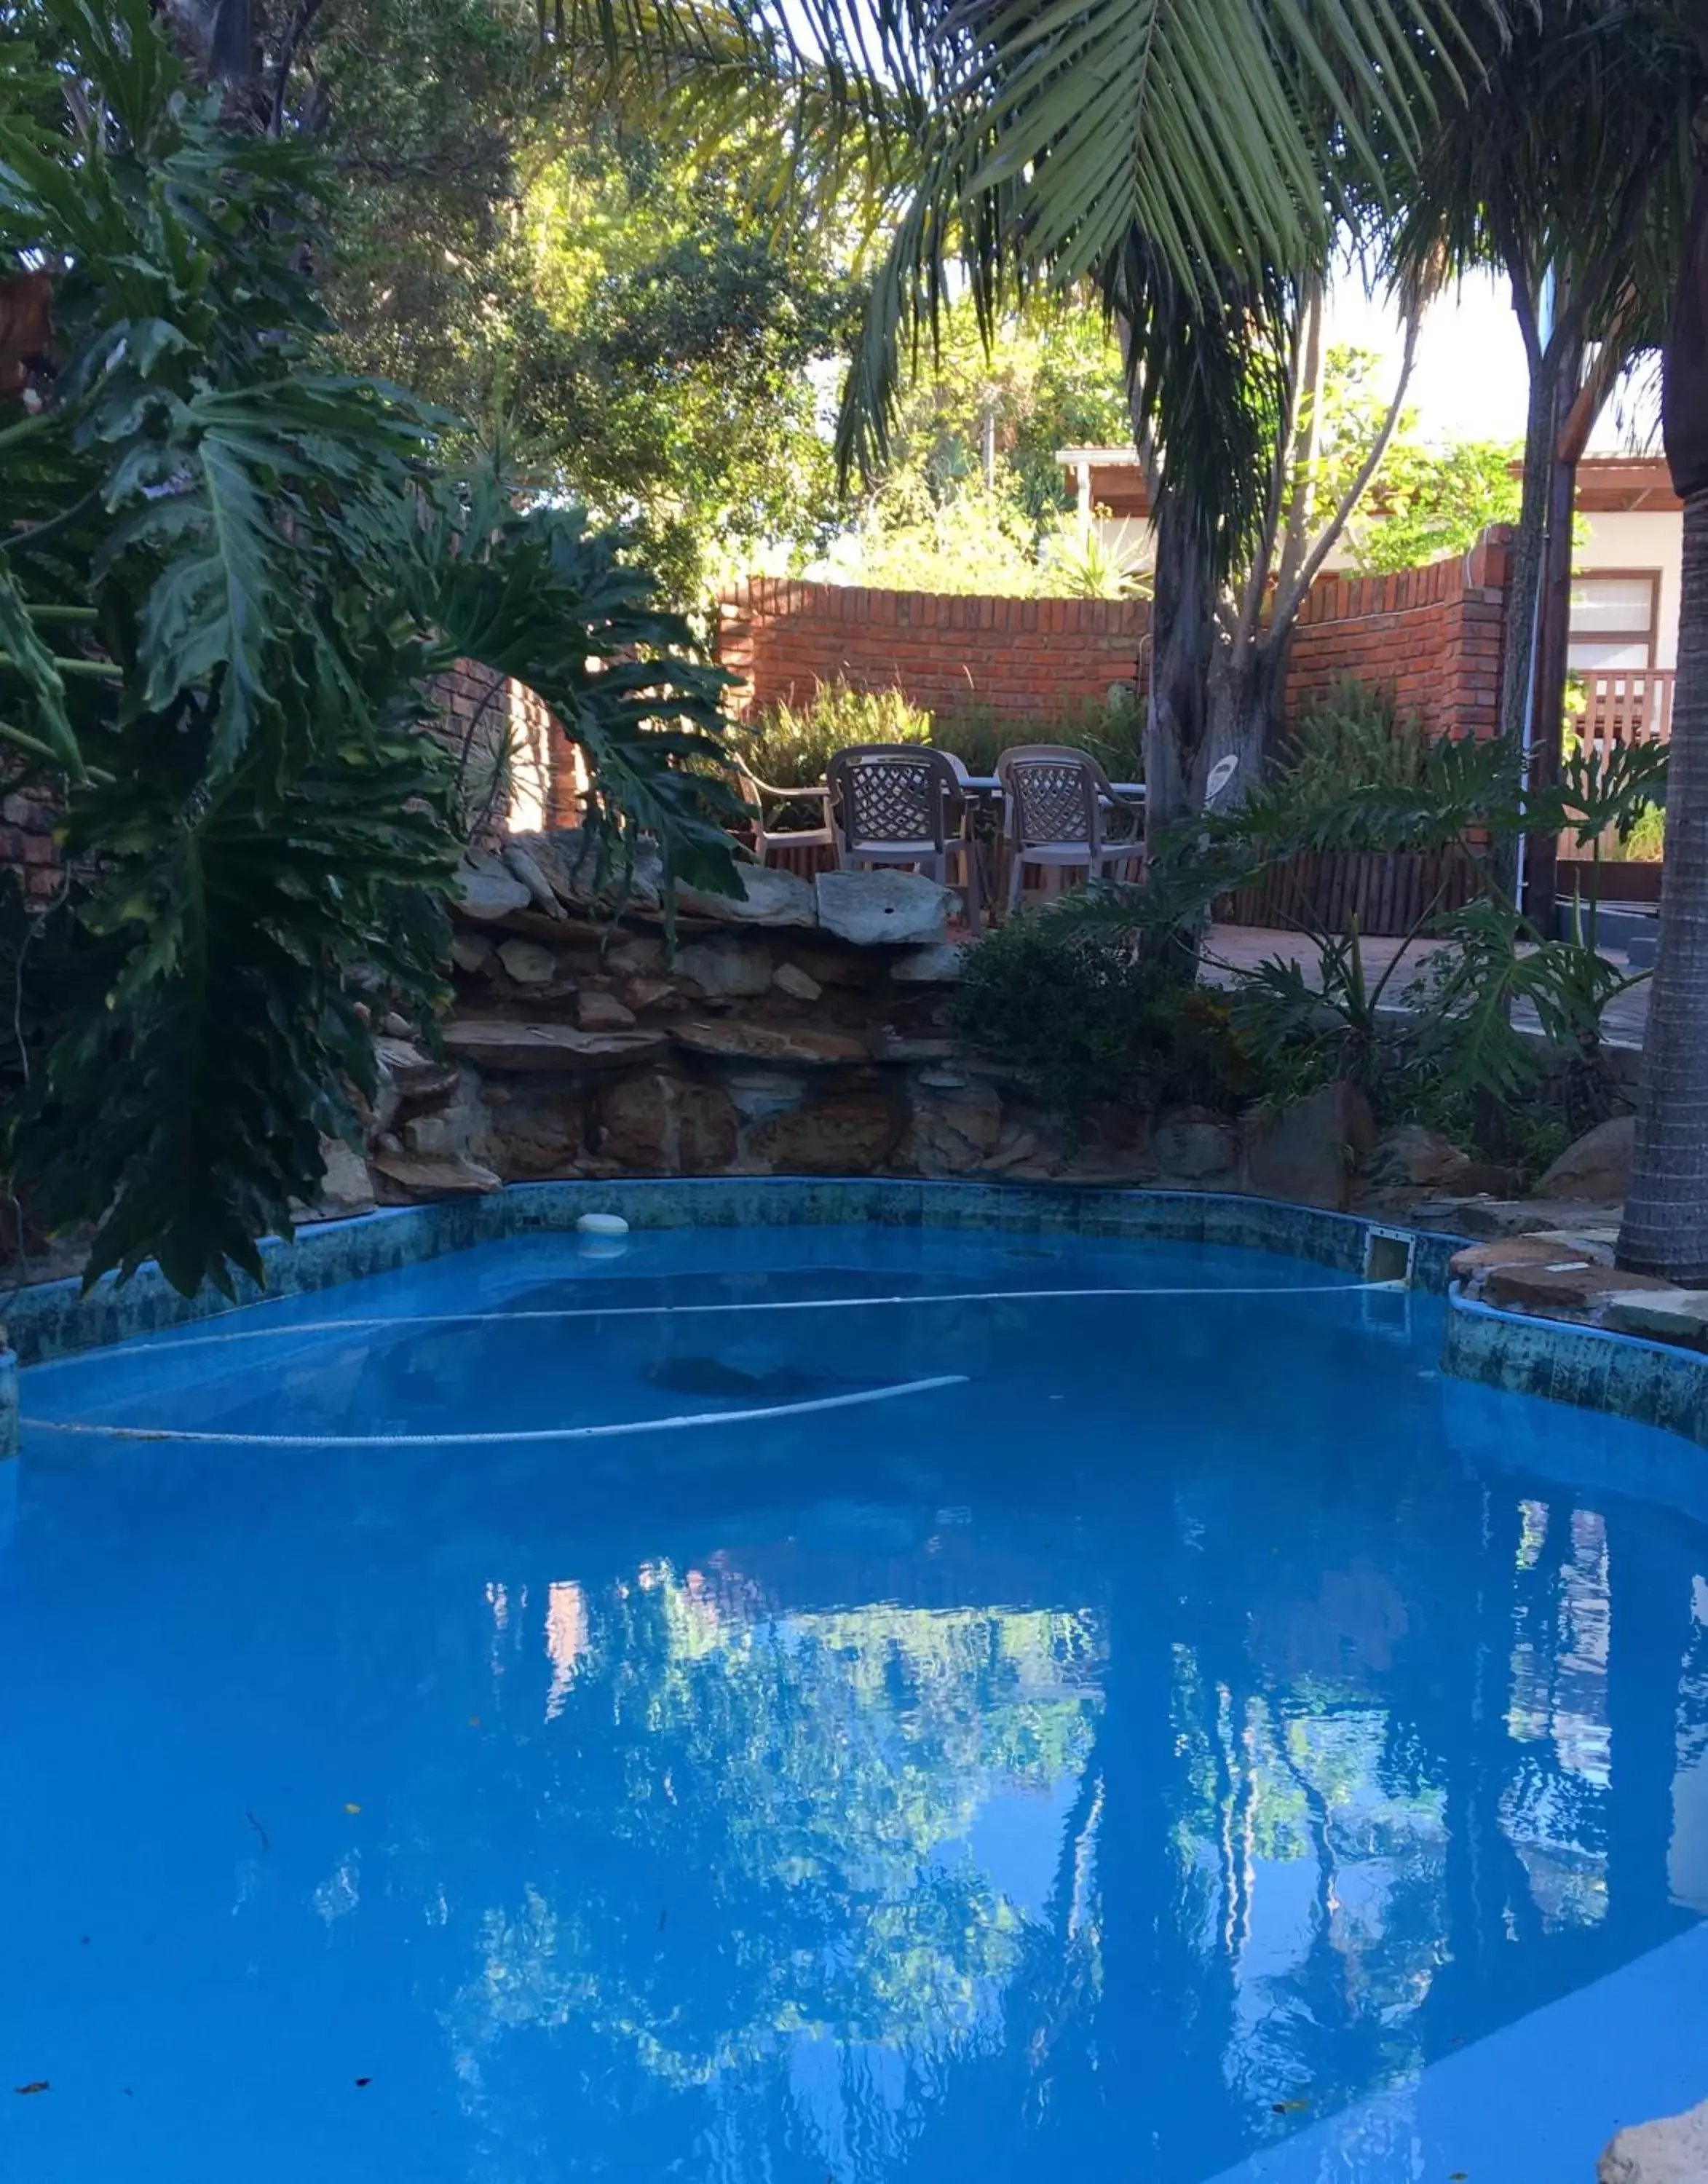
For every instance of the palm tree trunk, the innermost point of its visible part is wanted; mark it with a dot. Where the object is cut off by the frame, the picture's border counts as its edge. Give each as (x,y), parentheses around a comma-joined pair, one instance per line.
(1246,713)
(1175,722)
(1665,1227)
(1552,626)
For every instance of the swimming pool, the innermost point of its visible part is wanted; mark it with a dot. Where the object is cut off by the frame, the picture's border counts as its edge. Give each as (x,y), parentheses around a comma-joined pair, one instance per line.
(842,1703)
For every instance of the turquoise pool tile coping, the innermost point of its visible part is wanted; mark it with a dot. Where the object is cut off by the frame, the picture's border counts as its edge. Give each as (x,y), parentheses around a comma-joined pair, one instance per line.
(1590,1368)
(54,1319)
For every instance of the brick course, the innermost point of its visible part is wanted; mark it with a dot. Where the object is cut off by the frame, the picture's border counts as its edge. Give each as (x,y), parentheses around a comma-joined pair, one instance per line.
(1433,634)
(1017,658)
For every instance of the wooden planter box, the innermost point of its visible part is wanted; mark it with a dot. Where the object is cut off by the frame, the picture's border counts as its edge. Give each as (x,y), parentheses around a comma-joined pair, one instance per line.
(1385,894)
(1616,882)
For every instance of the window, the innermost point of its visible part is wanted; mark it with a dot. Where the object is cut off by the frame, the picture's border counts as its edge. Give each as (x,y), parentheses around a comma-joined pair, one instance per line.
(1613,618)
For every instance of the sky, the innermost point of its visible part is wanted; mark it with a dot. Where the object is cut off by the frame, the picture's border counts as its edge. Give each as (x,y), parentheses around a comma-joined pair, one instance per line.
(1469,382)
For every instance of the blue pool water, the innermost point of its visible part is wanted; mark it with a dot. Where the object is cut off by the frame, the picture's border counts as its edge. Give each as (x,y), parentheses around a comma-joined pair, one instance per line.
(1181,1736)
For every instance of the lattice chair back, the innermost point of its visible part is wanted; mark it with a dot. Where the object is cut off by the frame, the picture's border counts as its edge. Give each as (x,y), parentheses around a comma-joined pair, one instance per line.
(885,795)
(1052,795)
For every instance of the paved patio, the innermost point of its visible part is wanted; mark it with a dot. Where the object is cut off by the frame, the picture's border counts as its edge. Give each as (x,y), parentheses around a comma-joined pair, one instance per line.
(1242,947)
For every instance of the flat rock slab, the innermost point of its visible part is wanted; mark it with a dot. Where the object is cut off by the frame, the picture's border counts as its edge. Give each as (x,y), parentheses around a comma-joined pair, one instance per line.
(1311,1151)
(598,1011)
(346,1186)
(1476,1260)
(570,861)
(800,985)
(453,1175)
(416,1075)
(733,1040)
(487,896)
(1662,1315)
(523,868)
(1674,2151)
(766,898)
(1562,1284)
(728,970)
(1479,1217)
(939,965)
(471,951)
(877,909)
(892,1045)
(528,963)
(491,1043)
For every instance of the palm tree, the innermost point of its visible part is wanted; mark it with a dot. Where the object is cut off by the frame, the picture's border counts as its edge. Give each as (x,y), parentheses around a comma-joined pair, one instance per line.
(1191,162)
(1566,168)
(1665,1226)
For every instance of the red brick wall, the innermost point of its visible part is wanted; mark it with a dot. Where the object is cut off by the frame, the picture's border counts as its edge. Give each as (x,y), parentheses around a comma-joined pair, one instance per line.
(1019,658)
(1433,635)
(27,846)
(471,701)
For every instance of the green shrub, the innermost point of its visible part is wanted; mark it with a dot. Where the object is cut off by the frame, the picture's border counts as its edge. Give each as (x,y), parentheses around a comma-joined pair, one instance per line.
(791,745)
(1645,844)
(1113,733)
(1083,1018)
(1356,736)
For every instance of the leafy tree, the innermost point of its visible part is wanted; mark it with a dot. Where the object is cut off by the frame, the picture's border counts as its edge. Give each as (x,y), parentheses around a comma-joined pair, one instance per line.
(1428,503)
(1322,442)
(971,480)
(427,111)
(603,282)
(1203,214)
(228,576)
(658,361)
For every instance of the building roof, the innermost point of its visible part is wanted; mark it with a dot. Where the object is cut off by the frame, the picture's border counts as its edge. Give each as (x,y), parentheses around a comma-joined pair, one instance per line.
(1609,483)
(1606,484)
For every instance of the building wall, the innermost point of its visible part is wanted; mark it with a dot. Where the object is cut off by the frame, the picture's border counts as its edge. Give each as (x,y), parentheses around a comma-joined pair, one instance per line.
(520,770)
(1017,658)
(1633,540)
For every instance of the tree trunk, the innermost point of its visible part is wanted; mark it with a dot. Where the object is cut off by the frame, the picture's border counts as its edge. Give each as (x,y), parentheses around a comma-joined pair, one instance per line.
(1246,716)
(1175,720)
(1527,557)
(1553,635)
(1665,1227)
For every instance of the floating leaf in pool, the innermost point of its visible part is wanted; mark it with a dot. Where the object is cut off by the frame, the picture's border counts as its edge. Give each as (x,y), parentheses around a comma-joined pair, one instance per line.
(353,1808)
(35,2086)
(365,2081)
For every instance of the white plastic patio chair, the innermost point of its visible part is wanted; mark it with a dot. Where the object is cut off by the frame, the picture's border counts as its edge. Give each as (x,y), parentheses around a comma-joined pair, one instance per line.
(1058,804)
(904,804)
(785,844)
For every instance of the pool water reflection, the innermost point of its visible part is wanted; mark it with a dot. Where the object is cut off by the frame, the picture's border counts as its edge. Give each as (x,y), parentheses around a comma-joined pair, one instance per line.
(1200,1720)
